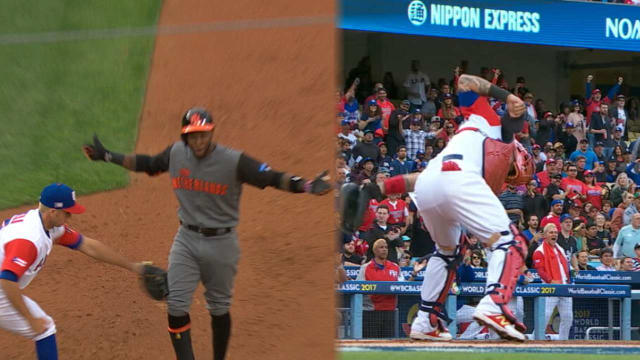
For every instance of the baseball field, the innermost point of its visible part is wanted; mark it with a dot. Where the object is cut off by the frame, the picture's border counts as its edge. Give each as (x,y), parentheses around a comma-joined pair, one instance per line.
(127,71)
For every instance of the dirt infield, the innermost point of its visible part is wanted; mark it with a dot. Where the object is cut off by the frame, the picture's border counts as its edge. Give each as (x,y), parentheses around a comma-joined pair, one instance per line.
(270,91)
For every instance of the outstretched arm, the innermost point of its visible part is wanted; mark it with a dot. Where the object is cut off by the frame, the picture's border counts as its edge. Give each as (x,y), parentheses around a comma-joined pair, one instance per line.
(260,175)
(152,165)
(102,252)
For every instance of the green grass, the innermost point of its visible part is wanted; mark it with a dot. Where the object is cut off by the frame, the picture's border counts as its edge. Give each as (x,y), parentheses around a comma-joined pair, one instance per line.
(404,355)
(55,95)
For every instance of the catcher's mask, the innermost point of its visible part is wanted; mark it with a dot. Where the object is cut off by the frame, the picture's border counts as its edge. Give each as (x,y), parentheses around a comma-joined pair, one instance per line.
(195,120)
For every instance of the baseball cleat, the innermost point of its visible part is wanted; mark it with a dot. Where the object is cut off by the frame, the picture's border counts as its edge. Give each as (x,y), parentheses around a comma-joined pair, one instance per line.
(500,324)
(435,335)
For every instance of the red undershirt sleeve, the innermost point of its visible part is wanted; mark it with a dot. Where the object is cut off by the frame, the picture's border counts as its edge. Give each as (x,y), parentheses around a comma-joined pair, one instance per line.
(19,255)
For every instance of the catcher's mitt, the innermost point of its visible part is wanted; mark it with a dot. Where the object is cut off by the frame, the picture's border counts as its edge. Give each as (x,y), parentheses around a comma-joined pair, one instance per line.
(154,281)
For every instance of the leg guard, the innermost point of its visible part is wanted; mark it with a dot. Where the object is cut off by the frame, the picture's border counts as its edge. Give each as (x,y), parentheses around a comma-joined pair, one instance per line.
(502,291)
(436,309)
(180,333)
(221,329)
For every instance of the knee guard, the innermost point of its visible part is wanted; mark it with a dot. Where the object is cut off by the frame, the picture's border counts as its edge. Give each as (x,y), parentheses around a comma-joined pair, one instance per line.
(180,332)
(502,291)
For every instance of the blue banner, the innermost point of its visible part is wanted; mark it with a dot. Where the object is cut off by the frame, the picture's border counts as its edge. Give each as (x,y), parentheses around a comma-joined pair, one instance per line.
(476,289)
(544,22)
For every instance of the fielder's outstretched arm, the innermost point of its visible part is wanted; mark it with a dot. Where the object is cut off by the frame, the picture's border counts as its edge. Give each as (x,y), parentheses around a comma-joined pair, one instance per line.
(102,252)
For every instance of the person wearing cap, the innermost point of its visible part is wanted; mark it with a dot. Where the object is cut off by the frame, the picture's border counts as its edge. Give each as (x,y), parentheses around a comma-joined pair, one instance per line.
(566,239)
(448,111)
(374,92)
(617,140)
(414,138)
(553,191)
(384,160)
(577,119)
(417,84)
(595,244)
(394,137)
(583,149)
(347,134)
(598,149)
(401,164)
(566,136)
(574,188)
(619,114)
(554,215)
(545,127)
(594,98)
(367,172)
(550,260)
(26,240)
(371,117)
(628,238)
(366,148)
(593,190)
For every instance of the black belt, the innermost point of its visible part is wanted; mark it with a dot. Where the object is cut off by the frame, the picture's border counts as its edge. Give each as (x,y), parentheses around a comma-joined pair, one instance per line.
(208,231)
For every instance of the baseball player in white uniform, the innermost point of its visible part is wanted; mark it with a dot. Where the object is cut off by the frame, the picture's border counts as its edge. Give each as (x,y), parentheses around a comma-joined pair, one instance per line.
(25,242)
(456,190)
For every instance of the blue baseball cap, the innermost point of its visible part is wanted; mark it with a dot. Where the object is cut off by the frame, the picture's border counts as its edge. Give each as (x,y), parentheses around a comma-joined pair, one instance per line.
(345,122)
(62,197)
(373,102)
(565,217)
(554,202)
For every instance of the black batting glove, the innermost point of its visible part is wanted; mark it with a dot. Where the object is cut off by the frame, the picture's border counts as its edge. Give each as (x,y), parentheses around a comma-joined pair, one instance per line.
(319,185)
(96,152)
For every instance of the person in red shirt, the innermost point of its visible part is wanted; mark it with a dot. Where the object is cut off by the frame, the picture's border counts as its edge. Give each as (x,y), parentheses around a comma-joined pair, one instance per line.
(386,106)
(544,177)
(554,215)
(593,190)
(398,210)
(574,188)
(595,97)
(550,261)
(378,317)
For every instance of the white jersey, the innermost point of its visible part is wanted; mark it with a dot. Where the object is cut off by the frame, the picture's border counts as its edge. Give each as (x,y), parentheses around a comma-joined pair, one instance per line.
(29,227)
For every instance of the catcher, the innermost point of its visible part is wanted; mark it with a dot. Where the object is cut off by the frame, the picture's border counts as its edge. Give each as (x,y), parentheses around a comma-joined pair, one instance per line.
(458,190)
(25,242)
(207,179)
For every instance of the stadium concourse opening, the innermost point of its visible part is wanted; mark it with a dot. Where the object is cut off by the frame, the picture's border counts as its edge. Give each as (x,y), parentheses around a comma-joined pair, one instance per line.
(398,109)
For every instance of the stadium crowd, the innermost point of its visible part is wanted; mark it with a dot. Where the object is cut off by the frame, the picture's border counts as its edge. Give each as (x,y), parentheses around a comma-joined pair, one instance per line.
(584,199)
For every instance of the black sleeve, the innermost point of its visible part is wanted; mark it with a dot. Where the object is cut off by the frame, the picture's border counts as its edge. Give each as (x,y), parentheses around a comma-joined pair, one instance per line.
(156,164)
(256,173)
(597,122)
(511,126)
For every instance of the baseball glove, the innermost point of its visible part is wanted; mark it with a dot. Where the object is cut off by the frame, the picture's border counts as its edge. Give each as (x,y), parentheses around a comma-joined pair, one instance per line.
(319,185)
(154,281)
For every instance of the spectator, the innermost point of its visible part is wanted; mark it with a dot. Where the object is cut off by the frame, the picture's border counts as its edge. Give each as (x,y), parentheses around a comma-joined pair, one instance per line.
(405,255)
(580,164)
(349,256)
(378,317)
(528,98)
(633,171)
(545,125)
(565,238)
(619,114)
(533,202)
(599,173)
(366,148)
(394,137)
(554,215)
(561,151)
(366,173)
(539,158)
(553,191)
(567,138)
(617,157)
(401,164)
(603,233)
(594,98)
(398,211)
(382,230)
(618,213)
(595,244)
(583,261)
(438,146)
(598,149)
(606,260)
(622,185)
(626,264)
(593,191)
(583,149)
(417,84)
(577,120)
(449,131)
(386,106)
(628,238)
(421,242)
(617,140)
(575,189)
(430,107)
(513,204)
(384,161)
(636,259)
(601,125)
(347,134)
(532,227)
(551,264)
(477,259)
(448,111)
(631,209)
(371,118)
(544,176)
(414,138)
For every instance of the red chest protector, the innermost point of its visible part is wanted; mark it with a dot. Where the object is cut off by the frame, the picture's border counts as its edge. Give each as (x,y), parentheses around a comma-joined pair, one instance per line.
(510,163)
